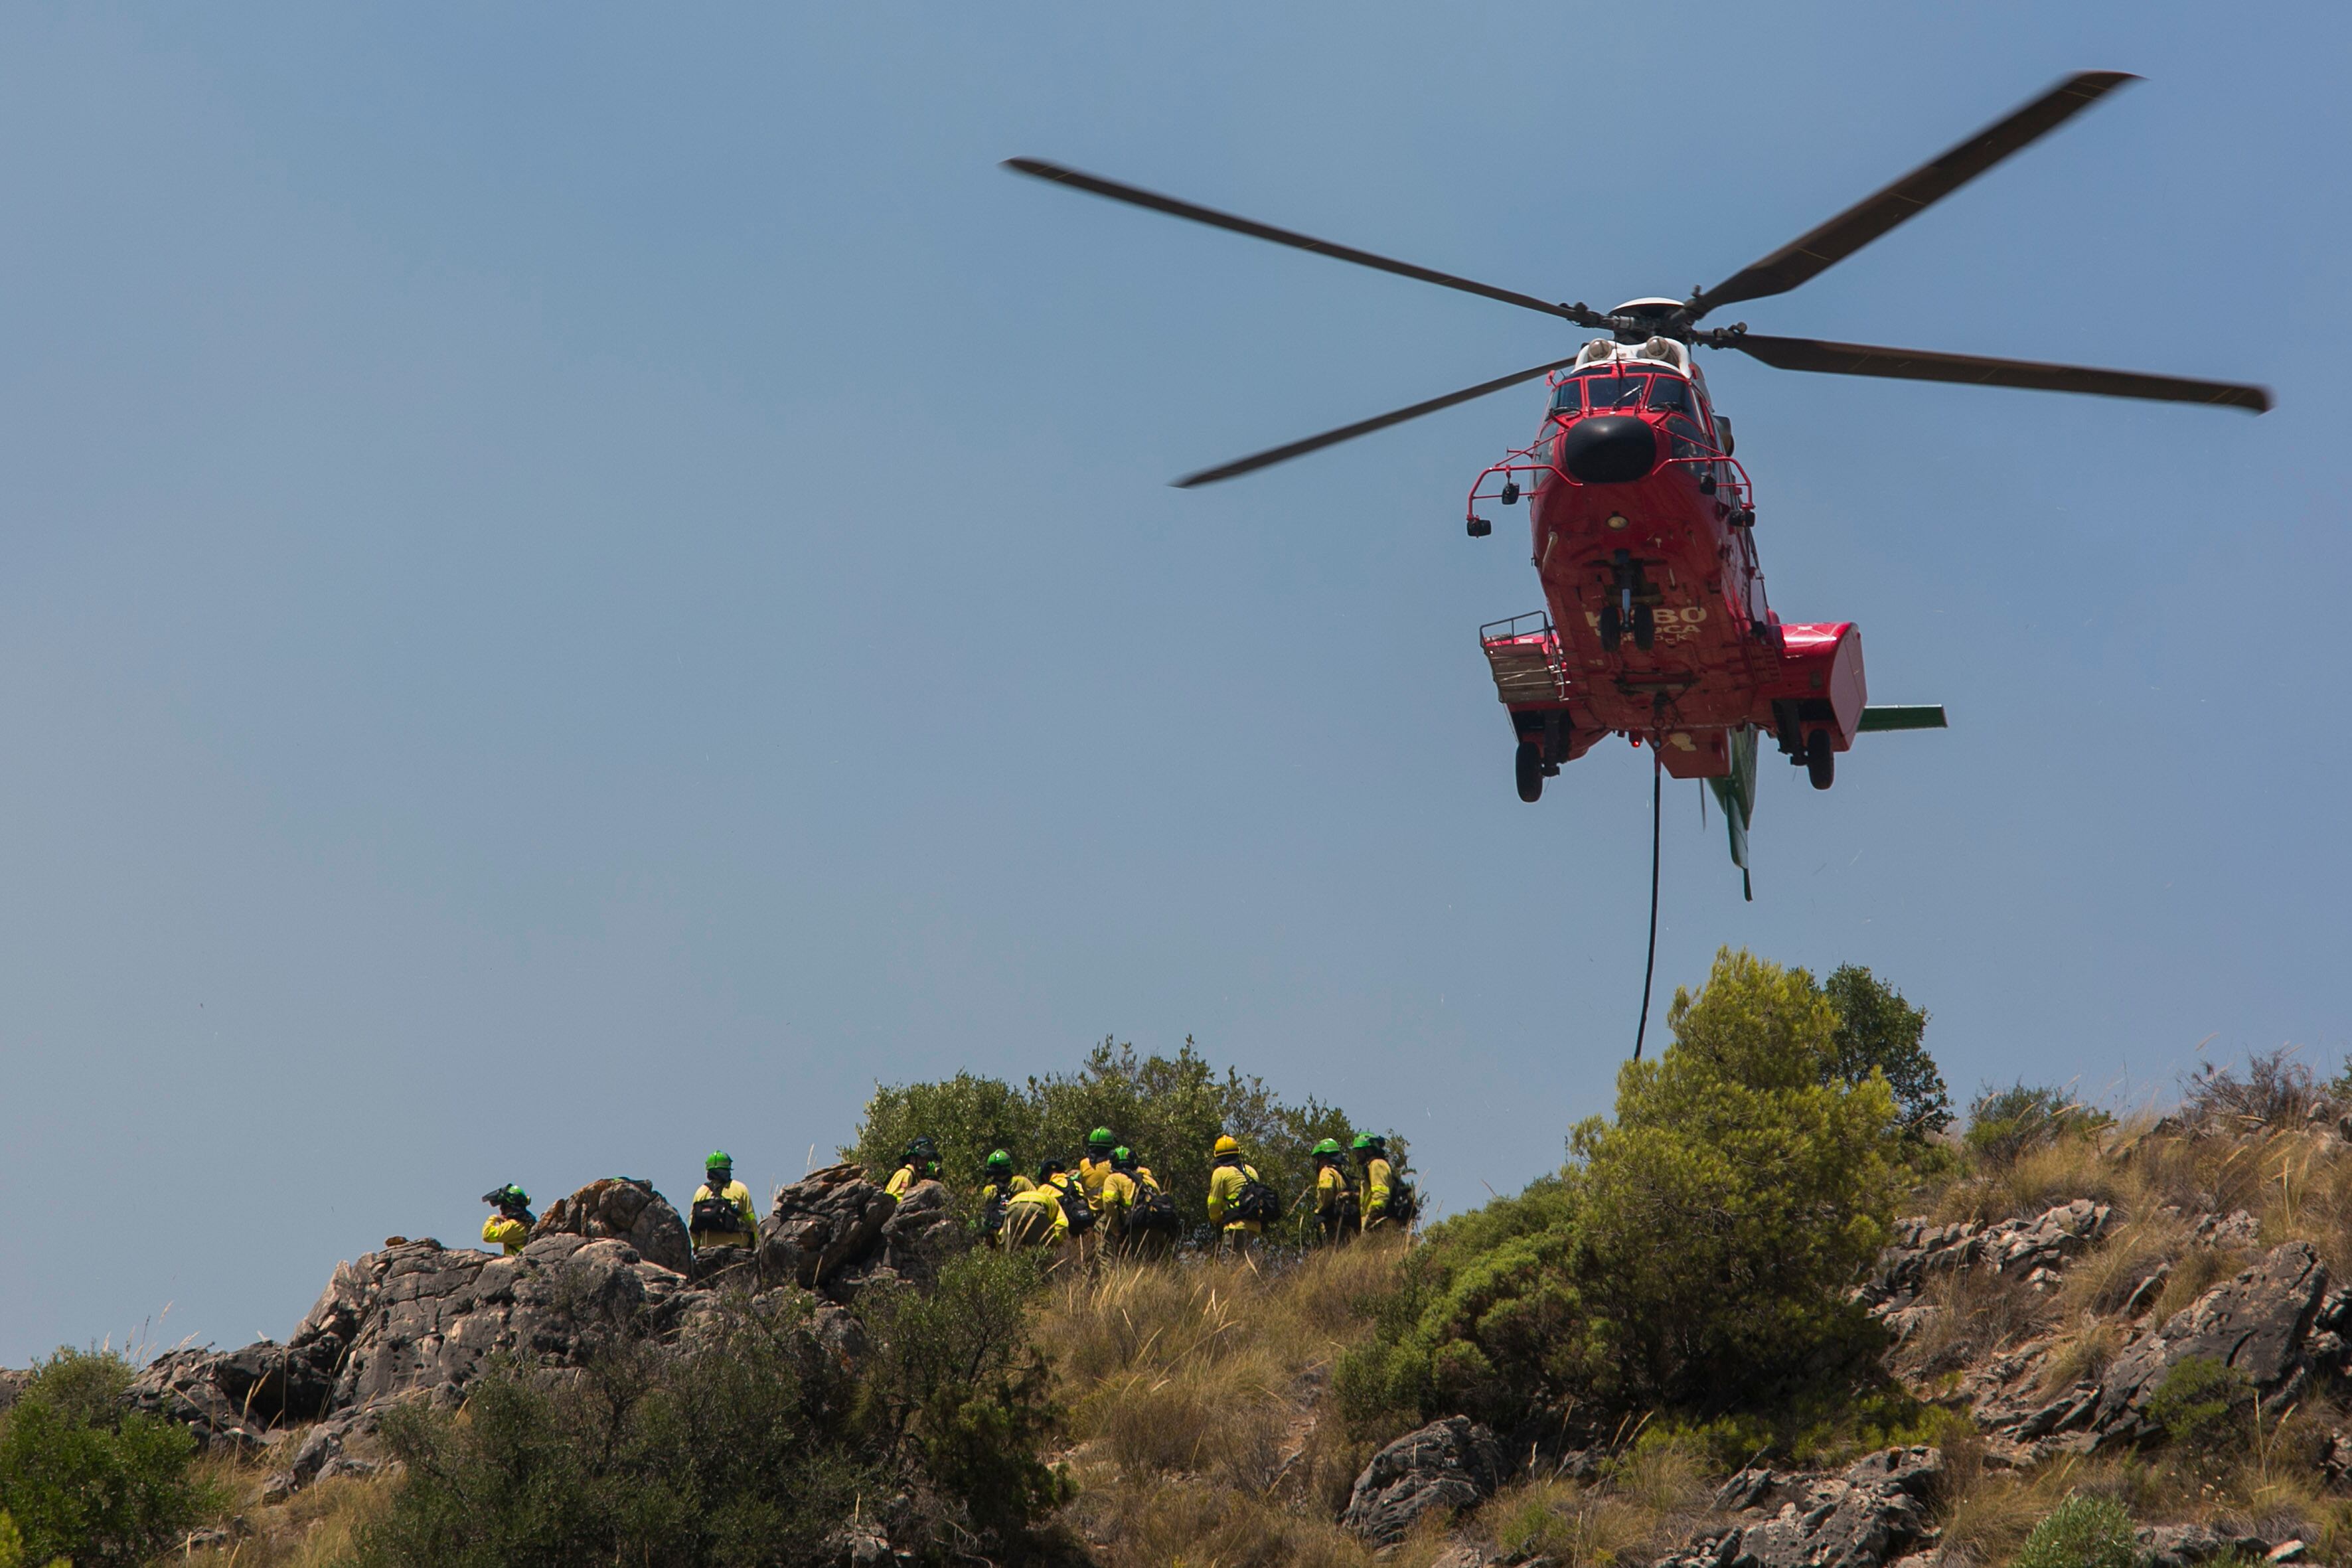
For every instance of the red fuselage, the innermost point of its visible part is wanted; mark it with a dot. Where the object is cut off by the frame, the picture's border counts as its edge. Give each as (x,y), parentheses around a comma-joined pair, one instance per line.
(1643,531)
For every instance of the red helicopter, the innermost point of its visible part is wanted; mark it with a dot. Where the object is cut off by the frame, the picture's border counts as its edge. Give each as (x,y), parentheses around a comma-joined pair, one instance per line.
(1643,522)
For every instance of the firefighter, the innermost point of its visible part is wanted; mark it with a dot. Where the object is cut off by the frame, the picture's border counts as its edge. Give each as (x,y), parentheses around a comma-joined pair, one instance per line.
(1076,1205)
(921,1162)
(723,1214)
(509,1227)
(1033,1216)
(1335,1197)
(1093,1166)
(1137,1212)
(1235,1205)
(999,1183)
(1372,1156)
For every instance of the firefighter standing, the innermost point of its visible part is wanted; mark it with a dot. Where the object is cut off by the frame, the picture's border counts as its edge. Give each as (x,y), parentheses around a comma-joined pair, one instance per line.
(723,1214)
(1335,1208)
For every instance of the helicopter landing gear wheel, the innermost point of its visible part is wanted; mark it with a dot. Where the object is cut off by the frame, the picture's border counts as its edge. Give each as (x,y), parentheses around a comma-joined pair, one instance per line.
(1820,762)
(1530,771)
(1645,627)
(1612,628)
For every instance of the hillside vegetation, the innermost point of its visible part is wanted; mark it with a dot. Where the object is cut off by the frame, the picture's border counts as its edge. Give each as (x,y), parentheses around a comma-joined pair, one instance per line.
(1777,1257)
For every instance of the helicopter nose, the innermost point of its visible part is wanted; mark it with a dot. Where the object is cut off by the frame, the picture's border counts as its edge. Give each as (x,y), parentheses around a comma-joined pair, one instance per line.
(1609,449)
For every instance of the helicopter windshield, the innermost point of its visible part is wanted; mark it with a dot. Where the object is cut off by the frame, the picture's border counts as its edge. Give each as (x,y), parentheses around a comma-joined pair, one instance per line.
(1603,393)
(1668,395)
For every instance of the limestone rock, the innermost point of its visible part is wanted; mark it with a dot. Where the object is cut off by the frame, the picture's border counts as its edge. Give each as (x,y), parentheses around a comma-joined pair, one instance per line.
(823,1221)
(1451,1464)
(2186,1545)
(2036,1250)
(2256,1323)
(622,1208)
(1876,1511)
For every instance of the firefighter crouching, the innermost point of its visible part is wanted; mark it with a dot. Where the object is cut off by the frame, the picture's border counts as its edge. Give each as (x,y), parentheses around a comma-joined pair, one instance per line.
(999,1184)
(1033,1217)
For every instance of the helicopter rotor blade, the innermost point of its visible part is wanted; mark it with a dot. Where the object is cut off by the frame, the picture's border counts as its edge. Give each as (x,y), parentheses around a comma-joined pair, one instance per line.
(1810,254)
(1920,365)
(1282,454)
(1037,168)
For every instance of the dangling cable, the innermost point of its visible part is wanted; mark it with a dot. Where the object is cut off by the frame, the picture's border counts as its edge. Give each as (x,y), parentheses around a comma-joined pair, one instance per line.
(1657,809)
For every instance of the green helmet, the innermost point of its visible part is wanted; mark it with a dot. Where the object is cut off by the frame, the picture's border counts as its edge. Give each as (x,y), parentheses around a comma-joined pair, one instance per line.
(1101,1138)
(1122,1157)
(1328,1146)
(1371,1142)
(719,1160)
(998,1161)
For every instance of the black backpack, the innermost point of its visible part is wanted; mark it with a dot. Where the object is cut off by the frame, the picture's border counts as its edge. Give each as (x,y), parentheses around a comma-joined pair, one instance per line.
(1256,1201)
(1404,1204)
(1075,1207)
(1152,1210)
(716,1216)
(991,1213)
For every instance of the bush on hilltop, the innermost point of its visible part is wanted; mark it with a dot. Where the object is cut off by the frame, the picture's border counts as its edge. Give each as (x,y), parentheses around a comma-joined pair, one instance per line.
(1693,1255)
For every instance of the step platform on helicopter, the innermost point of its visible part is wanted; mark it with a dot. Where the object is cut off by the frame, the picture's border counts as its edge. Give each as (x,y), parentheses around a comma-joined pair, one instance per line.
(1814,704)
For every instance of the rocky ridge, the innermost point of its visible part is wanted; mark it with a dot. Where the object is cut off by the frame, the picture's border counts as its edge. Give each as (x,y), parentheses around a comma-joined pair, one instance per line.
(417,1321)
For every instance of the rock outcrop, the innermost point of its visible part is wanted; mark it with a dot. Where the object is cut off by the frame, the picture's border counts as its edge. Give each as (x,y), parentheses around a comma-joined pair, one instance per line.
(1452,1464)
(833,1229)
(419,1321)
(2035,1250)
(623,1208)
(2274,1323)
(1875,1512)
(2255,1324)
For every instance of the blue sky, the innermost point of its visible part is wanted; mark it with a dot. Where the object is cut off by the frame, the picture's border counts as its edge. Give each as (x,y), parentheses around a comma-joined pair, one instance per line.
(580,586)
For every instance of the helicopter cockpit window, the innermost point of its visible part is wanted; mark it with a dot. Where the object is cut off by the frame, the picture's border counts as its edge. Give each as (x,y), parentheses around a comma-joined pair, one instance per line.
(1603,393)
(1668,395)
(1567,399)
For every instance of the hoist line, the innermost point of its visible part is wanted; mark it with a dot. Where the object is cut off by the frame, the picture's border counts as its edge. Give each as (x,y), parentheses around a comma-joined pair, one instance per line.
(1657,818)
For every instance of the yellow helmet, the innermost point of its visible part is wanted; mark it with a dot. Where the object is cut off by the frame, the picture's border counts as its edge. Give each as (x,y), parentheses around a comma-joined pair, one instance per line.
(1227,1145)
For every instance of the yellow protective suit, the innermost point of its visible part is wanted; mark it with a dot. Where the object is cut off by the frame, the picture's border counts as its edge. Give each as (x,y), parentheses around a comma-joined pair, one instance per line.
(1377,1173)
(741,1196)
(1092,1174)
(1225,1190)
(1114,1200)
(510,1233)
(1034,1218)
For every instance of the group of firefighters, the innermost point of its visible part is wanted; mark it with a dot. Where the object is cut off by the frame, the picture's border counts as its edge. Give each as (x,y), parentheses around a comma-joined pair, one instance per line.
(1111,1200)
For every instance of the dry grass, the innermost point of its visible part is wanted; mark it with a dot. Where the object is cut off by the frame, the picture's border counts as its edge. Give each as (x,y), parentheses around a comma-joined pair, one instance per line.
(314,1529)
(2102,1280)
(1651,1498)
(1198,1397)
(2074,1166)
(1976,1313)
(2082,1354)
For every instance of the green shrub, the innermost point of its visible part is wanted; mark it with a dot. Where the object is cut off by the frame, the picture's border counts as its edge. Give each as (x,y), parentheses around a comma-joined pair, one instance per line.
(754,1446)
(2081,1532)
(2204,1406)
(1695,1252)
(2004,1123)
(83,1477)
(955,1383)
(1168,1109)
(1878,1030)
